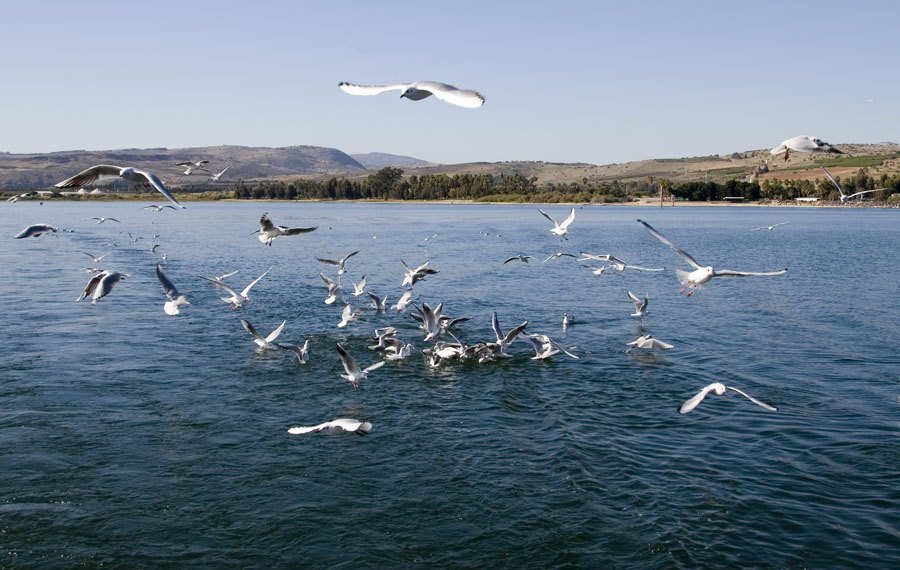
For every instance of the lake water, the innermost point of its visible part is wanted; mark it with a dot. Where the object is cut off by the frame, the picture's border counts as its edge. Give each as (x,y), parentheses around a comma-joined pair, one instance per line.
(129,438)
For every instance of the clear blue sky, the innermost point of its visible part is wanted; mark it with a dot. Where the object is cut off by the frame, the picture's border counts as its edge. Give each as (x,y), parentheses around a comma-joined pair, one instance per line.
(597,82)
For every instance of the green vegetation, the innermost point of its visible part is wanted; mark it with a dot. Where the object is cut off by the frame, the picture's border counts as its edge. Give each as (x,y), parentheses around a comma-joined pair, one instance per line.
(866,161)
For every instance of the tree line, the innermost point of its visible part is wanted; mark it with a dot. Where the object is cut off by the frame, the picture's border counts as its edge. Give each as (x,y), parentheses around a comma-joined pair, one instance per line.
(390,184)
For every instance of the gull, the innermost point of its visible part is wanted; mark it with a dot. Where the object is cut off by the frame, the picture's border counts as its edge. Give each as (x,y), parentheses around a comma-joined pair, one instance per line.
(383,336)
(397,350)
(567,320)
(430,320)
(560,229)
(18,197)
(647,342)
(35,230)
(333,289)
(347,316)
(301,352)
(100,285)
(157,208)
(522,258)
(335,426)
(236,300)
(545,347)
(101,219)
(261,341)
(127,172)
(95,257)
(378,303)
(359,288)
(770,228)
(222,278)
(803,144)
(403,301)
(176,299)
(413,276)
(557,255)
(504,340)
(695,279)
(418,90)
(719,389)
(268,231)
(190,166)
(844,197)
(354,374)
(215,177)
(620,265)
(339,262)
(640,307)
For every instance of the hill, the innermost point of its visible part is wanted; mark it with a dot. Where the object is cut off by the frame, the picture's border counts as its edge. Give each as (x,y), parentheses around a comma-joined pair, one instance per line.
(376,160)
(33,171)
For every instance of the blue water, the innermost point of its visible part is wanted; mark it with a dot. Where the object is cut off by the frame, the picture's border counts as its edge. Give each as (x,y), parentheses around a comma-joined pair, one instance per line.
(129,438)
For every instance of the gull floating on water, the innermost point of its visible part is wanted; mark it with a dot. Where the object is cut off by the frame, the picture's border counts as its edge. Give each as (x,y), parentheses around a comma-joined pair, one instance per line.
(301,352)
(640,306)
(802,143)
(340,263)
(695,279)
(418,90)
(770,228)
(845,197)
(235,300)
(100,285)
(268,231)
(354,374)
(335,426)
(128,173)
(176,299)
(647,342)
(567,320)
(719,389)
(35,230)
(560,229)
(261,341)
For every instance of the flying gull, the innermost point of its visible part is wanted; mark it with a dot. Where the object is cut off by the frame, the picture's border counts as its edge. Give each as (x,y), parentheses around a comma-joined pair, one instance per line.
(215,177)
(261,341)
(803,144)
(354,374)
(268,231)
(100,285)
(695,279)
(560,229)
(176,299)
(522,258)
(844,197)
(334,289)
(129,173)
(301,352)
(340,263)
(35,230)
(235,300)
(770,228)
(640,306)
(647,342)
(719,389)
(189,166)
(419,90)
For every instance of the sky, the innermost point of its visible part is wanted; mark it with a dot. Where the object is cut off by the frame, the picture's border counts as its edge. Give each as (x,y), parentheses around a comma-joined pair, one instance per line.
(597,82)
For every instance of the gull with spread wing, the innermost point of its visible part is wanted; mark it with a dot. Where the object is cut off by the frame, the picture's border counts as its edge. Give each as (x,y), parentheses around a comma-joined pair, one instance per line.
(176,299)
(560,229)
(335,426)
(100,285)
(134,175)
(418,90)
(262,342)
(693,280)
(353,372)
(268,231)
(236,300)
(719,389)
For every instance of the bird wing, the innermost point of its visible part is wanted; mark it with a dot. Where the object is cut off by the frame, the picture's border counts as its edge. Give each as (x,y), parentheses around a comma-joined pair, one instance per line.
(495,324)
(354,89)
(328,280)
(254,282)
(91,285)
(265,224)
(674,247)
(695,400)
(328,262)
(307,429)
(274,334)
(349,255)
(634,299)
(450,94)
(730,273)
(569,219)
(514,332)
(861,193)
(227,275)
(833,181)
(754,400)
(295,231)
(372,367)
(89,175)
(168,286)
(157,183)
(221,286)
(349,363)
(250,329)
(546,215)
(513,258)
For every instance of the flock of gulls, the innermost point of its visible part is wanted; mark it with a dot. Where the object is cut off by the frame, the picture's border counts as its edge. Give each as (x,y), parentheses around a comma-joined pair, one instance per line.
(437,327)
